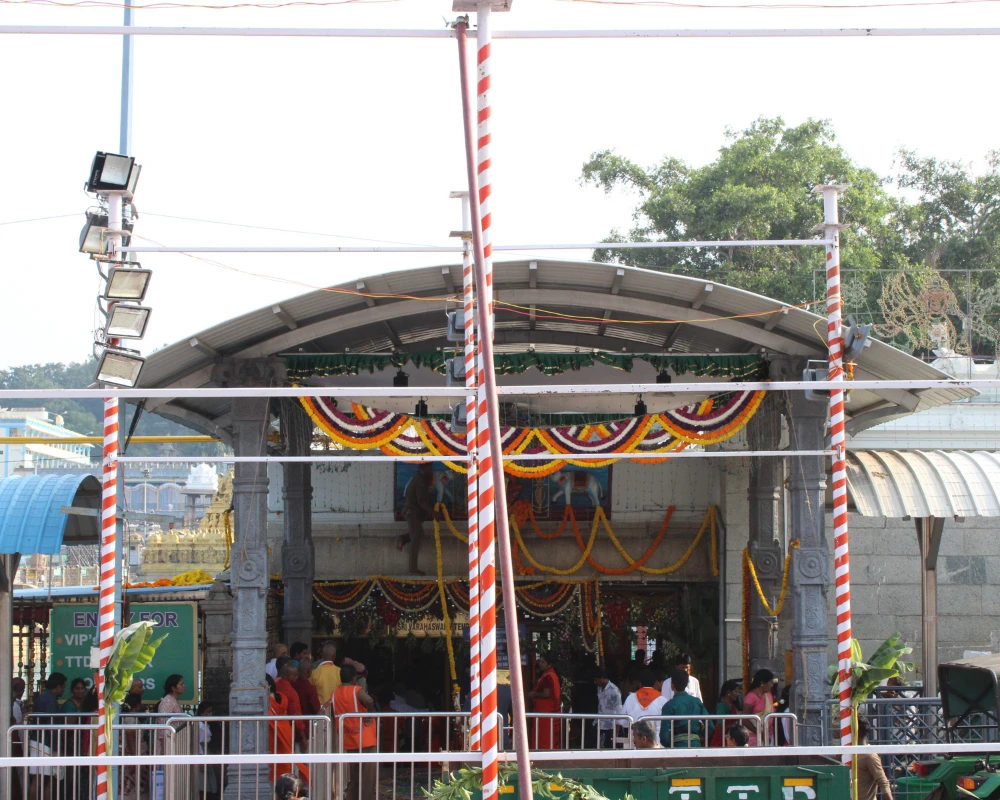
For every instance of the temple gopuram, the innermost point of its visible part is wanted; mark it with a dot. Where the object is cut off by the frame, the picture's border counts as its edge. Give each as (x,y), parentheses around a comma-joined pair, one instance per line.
(171,552)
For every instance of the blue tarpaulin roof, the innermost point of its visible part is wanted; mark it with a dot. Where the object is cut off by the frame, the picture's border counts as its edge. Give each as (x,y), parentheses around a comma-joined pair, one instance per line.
(31,516)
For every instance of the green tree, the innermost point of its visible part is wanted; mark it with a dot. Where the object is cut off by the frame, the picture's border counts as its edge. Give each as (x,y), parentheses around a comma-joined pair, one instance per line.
(759,187)
(86,416)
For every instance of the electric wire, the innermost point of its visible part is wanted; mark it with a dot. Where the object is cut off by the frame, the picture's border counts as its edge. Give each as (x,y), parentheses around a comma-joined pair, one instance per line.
(774,6)
(284,230)
(38,219)
(513,308)
(175,5)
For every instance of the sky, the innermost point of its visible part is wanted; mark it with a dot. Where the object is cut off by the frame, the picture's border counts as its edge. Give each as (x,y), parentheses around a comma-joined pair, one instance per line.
(352,140)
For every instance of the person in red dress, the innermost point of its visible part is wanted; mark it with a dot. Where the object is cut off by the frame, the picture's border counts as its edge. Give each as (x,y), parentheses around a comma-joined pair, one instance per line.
(548,700)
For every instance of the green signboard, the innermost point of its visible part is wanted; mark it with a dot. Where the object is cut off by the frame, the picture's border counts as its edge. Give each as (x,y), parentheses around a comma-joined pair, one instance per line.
(73,632)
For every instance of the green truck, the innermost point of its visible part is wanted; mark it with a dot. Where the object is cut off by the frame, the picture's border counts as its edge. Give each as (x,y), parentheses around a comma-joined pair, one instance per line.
(970,699)
(777,778)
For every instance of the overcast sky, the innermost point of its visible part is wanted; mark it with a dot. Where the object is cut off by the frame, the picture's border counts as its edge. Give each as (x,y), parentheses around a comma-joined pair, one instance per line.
(363,138)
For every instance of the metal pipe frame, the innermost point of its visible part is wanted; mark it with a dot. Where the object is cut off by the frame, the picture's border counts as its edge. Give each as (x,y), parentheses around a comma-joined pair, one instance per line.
(404,33)
(504,391)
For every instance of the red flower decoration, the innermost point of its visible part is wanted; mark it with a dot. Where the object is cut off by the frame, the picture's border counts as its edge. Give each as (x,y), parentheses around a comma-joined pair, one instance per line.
(388,612)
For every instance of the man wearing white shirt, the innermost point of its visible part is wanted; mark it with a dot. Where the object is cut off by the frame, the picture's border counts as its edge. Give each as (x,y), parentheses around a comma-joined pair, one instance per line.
(693,687)
(271,667)
(609,701)
(646,702)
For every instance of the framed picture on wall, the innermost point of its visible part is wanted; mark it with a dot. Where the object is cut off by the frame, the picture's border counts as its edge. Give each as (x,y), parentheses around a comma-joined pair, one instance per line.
(449,488)
(585,489)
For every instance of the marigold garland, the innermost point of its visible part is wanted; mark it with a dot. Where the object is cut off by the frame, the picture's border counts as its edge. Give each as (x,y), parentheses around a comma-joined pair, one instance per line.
(444,607)
(750,579)
(600,519)
(708,422)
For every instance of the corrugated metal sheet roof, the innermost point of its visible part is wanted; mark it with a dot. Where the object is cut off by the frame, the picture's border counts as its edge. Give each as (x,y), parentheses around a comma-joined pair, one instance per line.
(31,519)
(924,483)
(340,319)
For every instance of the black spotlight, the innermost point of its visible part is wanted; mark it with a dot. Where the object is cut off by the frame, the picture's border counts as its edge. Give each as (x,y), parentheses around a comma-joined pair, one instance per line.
(663,377)
(640,407)
(421,409)
(401,381)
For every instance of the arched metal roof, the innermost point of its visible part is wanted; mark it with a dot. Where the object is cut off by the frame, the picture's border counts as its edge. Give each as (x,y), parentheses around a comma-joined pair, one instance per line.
(698,316)
(32,519)
(924,483)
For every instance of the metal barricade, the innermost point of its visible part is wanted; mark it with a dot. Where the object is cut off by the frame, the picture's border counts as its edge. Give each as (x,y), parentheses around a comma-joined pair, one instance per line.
(75,781)
(679,731)
(576,731)
(778,718)
(272,734)
(441,732)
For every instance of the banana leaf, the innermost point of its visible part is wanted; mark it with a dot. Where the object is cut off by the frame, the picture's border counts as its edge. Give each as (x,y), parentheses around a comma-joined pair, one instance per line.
(133,650)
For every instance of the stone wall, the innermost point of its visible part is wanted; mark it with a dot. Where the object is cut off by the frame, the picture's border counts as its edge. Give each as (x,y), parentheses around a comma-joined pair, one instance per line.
(885,584)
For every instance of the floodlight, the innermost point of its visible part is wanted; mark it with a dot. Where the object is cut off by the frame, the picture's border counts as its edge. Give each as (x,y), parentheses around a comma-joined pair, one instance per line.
(663,377)
(455,371)
(126,321)
(95,231)
(421,408)
(120,367)
(459,421)
(640,407)
(401,380)
(127,283)
(113,173)
(856,337)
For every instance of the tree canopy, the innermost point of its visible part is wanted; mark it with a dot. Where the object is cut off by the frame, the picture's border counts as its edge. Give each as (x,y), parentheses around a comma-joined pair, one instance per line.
(905,233)
(86,416)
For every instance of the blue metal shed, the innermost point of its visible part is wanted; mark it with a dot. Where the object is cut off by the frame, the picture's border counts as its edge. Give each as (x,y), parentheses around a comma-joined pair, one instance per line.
(40,513)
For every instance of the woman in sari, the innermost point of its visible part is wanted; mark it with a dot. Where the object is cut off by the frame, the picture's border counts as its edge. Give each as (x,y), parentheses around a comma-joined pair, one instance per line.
(548,700)
(281,733)
(759,701)
(729,703)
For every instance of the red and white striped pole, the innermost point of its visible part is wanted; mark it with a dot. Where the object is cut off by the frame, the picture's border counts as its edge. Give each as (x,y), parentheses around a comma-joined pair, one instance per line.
(838,443)
(492,488)
(106,599)
(469,310)
(109,521)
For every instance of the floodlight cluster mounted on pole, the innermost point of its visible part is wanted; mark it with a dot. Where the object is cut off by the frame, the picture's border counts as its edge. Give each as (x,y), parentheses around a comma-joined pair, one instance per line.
(113,179)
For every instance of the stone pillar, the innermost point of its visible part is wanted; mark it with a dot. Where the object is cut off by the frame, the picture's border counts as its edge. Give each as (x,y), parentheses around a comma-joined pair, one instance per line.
(297,554)
(218,611)
(810,565)
(248,574)
(765,498)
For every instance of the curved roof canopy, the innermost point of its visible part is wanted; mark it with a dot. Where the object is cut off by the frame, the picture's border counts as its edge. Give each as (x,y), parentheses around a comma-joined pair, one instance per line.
(41,513)
(924,483)
(554,306)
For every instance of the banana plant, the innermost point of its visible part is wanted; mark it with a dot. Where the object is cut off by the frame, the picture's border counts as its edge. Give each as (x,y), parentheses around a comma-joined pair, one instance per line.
(133,650)
(883,664)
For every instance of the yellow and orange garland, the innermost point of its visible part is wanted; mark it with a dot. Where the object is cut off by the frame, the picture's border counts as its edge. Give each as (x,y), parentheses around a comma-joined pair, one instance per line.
(750,579)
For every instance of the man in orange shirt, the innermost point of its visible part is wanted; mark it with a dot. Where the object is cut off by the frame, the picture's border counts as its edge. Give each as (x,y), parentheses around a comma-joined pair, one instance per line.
(360,735)
(288,673)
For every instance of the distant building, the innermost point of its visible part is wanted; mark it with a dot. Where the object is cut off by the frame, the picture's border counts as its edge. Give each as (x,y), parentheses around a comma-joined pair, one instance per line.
(29,458)
(970,424)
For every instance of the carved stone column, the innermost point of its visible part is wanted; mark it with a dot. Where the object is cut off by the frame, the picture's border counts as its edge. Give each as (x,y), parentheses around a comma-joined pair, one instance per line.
(810,565)
(764,495)
(297,554)
(218,611)
(248,578)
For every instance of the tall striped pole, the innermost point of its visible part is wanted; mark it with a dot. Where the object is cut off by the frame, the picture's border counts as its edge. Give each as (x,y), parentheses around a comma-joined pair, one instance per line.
(469,310)
(838,443)
(106,599)
(492,488)
(109,521)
